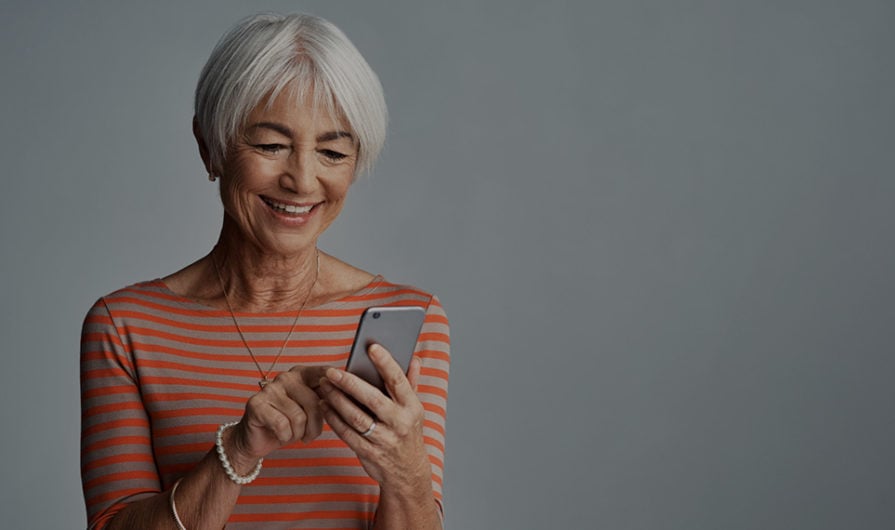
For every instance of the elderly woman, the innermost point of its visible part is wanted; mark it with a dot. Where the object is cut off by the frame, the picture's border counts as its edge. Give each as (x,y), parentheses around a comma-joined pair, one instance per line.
(216,395)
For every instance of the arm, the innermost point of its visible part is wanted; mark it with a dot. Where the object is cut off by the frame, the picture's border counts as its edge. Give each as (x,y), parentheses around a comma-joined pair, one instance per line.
(117,465)
(205,498)
(405,451)
(122,488)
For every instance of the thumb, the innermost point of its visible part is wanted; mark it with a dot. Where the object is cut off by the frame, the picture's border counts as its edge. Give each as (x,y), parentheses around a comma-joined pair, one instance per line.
(413,373)
(311,375)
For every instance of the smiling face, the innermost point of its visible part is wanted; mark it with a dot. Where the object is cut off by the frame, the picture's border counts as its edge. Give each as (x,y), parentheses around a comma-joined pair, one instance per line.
(285,178)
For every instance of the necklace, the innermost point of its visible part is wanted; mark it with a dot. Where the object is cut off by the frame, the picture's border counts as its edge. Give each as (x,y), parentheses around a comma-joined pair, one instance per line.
(265,376)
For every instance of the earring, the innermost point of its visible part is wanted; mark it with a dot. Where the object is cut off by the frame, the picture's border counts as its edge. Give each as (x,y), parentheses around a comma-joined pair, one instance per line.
(211,177)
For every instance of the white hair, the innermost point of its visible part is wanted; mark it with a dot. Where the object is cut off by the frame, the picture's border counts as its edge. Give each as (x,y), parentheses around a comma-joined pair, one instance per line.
(264,53)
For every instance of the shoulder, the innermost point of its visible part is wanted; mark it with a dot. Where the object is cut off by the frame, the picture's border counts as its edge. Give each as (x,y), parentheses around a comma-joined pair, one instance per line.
(381,291)
(138,297)
(389,293)
(346,283)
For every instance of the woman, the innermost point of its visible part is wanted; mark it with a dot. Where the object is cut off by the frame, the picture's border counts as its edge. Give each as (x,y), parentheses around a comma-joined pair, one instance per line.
(216,396)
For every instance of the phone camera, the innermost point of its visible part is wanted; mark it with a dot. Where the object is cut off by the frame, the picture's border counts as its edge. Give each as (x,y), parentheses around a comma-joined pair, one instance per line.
(376,314)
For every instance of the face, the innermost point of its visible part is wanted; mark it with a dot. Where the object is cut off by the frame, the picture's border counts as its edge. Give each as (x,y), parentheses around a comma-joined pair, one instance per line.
(286,177)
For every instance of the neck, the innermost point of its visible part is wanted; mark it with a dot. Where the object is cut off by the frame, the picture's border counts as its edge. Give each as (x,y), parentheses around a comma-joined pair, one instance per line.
(258,281)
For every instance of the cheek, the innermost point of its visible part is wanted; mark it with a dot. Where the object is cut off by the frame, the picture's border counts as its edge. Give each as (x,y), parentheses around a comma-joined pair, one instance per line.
(237,194)
(232,190)
(338,186)
(342,191)
(243,179)
(252,170)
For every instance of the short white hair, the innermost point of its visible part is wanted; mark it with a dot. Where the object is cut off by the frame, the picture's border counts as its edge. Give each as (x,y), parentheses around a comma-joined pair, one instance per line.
(264,53)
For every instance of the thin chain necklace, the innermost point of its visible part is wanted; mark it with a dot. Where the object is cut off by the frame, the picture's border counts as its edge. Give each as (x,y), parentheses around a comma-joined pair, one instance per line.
(265,376)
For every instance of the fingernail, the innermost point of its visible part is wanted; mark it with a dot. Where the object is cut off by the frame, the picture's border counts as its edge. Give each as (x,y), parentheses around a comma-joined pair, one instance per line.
(374,350)
(334,375)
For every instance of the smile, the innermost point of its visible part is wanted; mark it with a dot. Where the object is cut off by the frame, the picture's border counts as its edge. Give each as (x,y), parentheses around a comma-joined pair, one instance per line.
(294,209)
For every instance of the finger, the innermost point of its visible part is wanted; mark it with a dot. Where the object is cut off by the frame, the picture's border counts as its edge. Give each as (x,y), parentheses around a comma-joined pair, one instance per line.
(413,373)
(305,399)
(267,417)
(395,381)
(309,402)
(310,375)
(359,444)
(278,397)
(361,391)
(347,409)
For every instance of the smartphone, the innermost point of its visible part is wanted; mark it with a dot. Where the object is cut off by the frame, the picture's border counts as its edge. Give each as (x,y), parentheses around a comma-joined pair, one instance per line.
(396,329)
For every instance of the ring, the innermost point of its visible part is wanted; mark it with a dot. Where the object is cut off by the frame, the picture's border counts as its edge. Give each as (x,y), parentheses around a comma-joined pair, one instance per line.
(369,431)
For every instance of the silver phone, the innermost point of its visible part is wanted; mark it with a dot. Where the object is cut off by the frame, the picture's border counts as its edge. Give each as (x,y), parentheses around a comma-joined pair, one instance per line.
(396,328)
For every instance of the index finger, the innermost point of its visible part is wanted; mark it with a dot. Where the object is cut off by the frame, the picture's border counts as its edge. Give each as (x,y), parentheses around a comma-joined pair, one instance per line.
(310,375)
(392,374)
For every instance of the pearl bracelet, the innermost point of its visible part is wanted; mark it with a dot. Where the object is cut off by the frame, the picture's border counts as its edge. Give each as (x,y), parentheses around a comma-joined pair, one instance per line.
(219,443)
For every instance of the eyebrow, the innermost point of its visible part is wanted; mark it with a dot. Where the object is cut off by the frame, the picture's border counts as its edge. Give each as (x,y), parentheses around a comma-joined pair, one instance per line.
(278,127)
(286,131)
(334,135)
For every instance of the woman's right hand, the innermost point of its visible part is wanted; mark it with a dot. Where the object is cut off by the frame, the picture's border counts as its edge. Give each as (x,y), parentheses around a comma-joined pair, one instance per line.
(283,412)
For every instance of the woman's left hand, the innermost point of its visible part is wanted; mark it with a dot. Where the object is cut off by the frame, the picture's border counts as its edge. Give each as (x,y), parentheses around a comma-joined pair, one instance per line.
(394,453)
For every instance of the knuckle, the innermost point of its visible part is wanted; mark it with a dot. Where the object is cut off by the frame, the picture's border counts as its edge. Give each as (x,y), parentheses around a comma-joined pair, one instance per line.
(254,401)
(285,379)
(348,382)
(359,418)
(396,379)
(378,402)
(281,424)
(417,410)
(340,428)
(273,391)
(402,430)
(367,452)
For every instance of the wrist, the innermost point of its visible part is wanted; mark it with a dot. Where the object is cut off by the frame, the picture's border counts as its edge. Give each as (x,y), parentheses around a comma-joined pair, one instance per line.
(411,504)
(234,444)
(239,467)
(413,487)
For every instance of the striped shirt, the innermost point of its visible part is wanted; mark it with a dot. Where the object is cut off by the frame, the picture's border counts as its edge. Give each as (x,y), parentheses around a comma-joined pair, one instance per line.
(160,373)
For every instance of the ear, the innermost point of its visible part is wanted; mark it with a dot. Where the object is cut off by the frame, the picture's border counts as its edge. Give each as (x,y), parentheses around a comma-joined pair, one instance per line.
(203,147)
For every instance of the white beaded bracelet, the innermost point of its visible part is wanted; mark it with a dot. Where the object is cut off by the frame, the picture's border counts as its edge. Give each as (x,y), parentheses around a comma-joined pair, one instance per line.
(219,442)
(174,506)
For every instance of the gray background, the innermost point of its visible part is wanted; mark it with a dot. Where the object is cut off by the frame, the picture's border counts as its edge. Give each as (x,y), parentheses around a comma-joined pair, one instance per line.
(662,231)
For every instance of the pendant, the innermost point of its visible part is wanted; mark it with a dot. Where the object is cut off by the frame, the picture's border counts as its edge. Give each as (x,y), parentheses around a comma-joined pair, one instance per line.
(263,383)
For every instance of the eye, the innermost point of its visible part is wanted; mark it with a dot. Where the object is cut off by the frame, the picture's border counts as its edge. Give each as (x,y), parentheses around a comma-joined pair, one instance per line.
(271,148)
(335,156)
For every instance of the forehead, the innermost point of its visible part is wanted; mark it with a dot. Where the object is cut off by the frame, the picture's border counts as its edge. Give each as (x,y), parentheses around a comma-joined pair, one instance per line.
(300,110)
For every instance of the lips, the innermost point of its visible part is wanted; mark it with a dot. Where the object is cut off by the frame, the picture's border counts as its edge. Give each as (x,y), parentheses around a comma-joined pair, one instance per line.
(288,208)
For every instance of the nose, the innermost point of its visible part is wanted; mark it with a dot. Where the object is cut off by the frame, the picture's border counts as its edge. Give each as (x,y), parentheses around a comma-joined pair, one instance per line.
(300,174)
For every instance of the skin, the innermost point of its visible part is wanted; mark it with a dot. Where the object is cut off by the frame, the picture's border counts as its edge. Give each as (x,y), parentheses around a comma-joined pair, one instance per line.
(292,154)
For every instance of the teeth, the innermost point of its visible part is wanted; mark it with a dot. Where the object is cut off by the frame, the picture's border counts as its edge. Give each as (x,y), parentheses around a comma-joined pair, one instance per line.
(288,207)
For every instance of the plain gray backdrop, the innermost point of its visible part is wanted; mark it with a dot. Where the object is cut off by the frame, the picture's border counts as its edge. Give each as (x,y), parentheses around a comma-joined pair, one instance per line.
(662,230)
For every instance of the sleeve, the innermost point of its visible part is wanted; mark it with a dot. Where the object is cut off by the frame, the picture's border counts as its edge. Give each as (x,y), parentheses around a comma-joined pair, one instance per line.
(434,350)
(117,465)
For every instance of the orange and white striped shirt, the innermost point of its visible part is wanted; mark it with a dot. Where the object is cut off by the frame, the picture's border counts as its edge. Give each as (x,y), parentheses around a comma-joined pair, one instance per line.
(160,373)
